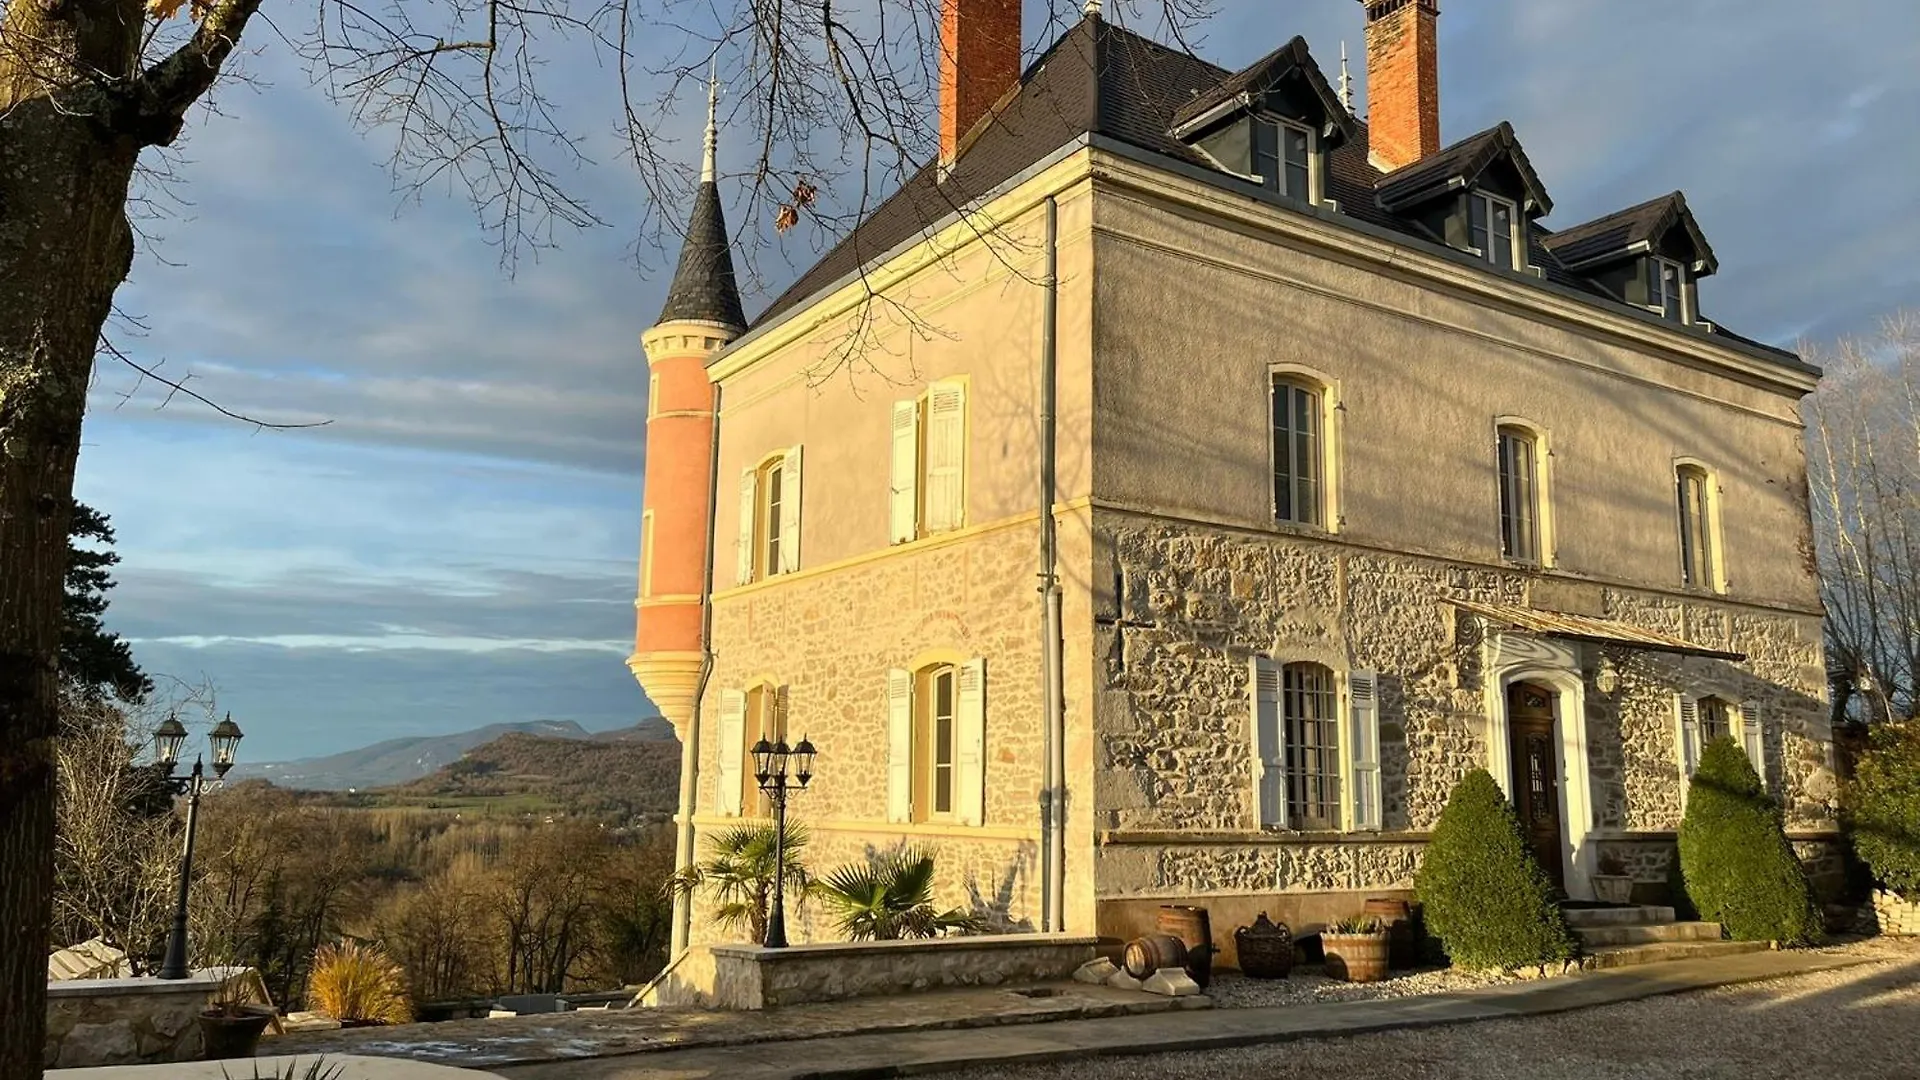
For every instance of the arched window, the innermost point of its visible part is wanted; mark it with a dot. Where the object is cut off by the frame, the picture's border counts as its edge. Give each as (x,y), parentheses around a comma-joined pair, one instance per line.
(935,729)
(765,719)
(1699,559)
(1299,451)
(1311,716)
(1520,494)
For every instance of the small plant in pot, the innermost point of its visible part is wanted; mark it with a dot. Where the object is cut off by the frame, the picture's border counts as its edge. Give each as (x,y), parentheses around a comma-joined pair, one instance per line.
(230,1026)
(1356,949)
(1612,884)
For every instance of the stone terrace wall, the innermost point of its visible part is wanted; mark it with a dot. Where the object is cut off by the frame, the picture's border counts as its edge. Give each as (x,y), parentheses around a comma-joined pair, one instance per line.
(1190,605)
(126,1021)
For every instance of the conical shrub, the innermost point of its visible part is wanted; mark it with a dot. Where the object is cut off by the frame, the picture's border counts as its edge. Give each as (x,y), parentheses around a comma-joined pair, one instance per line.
(1485,897)
(1739,869)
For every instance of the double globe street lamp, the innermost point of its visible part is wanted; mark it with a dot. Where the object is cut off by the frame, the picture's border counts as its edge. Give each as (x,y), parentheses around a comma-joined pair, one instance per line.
(781,770)
(223,741)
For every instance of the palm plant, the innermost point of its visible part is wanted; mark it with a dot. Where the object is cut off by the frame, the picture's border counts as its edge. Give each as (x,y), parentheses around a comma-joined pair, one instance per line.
(889,897)
(738,875)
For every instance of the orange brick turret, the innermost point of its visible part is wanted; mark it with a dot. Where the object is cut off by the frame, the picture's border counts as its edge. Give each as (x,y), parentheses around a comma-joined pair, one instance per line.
(702,315)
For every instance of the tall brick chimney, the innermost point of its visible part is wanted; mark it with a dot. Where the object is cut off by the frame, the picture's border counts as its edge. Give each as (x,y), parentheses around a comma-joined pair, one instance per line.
(1403,81)
(979,61)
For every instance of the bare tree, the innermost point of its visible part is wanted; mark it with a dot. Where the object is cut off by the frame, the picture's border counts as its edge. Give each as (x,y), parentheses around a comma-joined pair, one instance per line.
(1863,450)
(831,96)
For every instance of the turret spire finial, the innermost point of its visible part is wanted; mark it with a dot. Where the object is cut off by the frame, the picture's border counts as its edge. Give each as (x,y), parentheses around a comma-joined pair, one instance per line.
(713,129)
(1346,80)
(1093,7)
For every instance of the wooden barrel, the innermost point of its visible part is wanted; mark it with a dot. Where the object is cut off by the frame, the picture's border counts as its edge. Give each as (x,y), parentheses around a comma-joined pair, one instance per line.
(1360,958)
(1403,947)
(1194,927)
(1146,955)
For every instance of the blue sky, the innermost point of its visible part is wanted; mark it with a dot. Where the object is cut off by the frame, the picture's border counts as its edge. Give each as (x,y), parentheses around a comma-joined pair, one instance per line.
(457,547)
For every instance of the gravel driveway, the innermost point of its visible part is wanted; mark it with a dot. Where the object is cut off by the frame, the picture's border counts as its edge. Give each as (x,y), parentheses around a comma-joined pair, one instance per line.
(1854,1024)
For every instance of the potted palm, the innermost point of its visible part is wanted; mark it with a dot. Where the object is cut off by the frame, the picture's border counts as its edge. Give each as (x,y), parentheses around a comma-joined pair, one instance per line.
(890,897)
(1356,949)
(737,875)
(231,1024)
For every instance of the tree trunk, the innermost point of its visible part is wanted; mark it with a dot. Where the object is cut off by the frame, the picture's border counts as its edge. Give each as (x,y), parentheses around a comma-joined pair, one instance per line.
(64,247)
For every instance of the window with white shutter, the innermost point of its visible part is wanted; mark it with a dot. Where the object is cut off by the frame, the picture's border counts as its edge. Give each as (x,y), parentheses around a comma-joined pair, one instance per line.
(733,726)
(1753,738)
(749,514)
(1686,736)
(903,511)
(945,450)
(790,512)
(971,737)
(1269,749)
(899,745)
(1363,719)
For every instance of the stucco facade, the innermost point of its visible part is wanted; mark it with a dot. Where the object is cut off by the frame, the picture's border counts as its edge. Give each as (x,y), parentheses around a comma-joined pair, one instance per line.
(1177,302)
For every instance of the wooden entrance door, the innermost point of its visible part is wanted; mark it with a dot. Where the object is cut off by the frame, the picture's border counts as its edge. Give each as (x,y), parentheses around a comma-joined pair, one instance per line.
(1536,774)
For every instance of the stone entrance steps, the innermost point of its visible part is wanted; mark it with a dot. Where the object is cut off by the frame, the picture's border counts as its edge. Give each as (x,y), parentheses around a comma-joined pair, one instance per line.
(1630,936)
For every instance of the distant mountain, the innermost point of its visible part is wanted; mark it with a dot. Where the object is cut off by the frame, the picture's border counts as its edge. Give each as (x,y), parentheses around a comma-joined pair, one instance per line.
(397,761)
(627,776)
(652,729)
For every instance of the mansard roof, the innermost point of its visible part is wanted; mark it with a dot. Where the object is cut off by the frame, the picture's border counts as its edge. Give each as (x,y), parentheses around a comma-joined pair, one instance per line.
(704,287)
(1633,231)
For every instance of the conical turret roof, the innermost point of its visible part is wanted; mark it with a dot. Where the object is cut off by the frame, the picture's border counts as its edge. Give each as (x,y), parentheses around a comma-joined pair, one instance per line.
(703,284)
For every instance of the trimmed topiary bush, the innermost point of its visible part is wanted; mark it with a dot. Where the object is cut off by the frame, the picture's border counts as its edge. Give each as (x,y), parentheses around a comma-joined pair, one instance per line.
(1883,807)
(1484,896)
(1740,870)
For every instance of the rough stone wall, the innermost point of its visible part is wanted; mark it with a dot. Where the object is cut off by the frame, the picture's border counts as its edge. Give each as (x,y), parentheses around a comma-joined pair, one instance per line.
(1190,604)
(751,978)
(140,1027)
(830,637)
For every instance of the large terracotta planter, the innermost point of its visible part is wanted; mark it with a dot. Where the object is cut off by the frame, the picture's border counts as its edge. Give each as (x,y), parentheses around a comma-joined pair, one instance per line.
(1358,958)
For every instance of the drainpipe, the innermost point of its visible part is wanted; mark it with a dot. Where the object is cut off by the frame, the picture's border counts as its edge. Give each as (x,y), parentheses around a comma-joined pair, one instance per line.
(1053,798)
(690,748)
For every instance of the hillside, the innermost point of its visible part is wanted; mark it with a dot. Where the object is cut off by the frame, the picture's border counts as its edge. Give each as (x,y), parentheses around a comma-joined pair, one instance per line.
(625,778)
(400,761)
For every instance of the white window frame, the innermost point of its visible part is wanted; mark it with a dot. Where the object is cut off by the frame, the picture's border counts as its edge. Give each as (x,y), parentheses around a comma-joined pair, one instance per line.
(909,732)
(1316,185)
(1656,280)
(1518,240)
(1716,559)
(1746,723)
(911,468)
(768,546)
(1332,417)
(1543,532)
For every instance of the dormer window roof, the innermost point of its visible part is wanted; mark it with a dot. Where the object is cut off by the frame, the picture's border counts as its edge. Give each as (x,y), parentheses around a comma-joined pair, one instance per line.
(1491,161)
(1650,256)
(1272,122)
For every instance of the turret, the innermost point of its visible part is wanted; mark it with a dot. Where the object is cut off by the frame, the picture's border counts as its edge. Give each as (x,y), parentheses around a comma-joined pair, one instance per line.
(702,315)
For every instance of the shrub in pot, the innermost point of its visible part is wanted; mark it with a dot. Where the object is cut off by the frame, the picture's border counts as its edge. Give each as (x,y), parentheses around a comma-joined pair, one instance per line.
(1485,897)
(1739,869)
(1883,815)
(1357,949)
(358,985)
(230,1026)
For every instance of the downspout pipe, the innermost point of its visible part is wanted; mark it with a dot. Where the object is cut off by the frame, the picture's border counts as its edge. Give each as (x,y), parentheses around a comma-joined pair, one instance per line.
(690,748)
(1053,797)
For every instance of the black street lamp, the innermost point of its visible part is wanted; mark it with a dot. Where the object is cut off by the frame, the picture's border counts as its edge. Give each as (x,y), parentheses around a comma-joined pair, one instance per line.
(771,762)
(223,740)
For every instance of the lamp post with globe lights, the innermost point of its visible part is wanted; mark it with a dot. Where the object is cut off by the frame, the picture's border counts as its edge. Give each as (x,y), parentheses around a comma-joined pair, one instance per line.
(781,770)
(168,738)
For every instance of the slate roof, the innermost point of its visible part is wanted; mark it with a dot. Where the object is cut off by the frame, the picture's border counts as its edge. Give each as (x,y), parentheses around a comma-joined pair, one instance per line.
(1463,162)
(703,286)
(1263,73)
(1615,235)
(1100,79)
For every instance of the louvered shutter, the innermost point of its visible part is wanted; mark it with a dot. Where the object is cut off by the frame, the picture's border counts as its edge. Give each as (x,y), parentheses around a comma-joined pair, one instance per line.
(903,511)
(1753,737)
(970,753)
(790,512)
(1363,716)
(1687,734)
(899,745)
(749,489)
(946,455)
(733,745)
(1269,745)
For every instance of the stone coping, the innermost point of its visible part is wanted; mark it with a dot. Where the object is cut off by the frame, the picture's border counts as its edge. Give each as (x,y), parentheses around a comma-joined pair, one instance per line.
(833,950)
(197,982)
(1196,837)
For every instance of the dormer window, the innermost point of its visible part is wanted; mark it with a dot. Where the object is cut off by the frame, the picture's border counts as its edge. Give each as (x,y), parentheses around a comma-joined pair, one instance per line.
(1667,289)
(1493,229)
(1283,157)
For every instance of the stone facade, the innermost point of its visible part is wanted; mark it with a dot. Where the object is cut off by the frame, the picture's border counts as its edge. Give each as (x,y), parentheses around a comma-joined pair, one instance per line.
(139,1021)
(750,977)
(1894,915)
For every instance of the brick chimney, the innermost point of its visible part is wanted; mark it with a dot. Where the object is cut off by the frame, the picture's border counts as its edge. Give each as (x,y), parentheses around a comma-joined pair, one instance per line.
(1403,81)
(979,61)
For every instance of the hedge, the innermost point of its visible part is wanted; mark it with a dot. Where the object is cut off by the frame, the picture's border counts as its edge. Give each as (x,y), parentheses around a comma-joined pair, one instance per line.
(1484,896)
(1883,807)
(1739,869)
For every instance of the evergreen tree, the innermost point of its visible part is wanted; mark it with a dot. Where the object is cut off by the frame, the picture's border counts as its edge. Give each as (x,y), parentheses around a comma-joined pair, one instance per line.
(1485,896)
(94,662)
(1740,870)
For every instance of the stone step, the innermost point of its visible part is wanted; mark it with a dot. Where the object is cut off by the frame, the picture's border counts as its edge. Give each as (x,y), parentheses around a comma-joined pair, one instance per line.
(1619,956)
(1618,916)
(1594,937)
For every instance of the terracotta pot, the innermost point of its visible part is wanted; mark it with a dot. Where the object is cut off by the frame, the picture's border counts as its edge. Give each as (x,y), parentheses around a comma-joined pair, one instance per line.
(232,1035)
(1358,958)
(1403,947)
